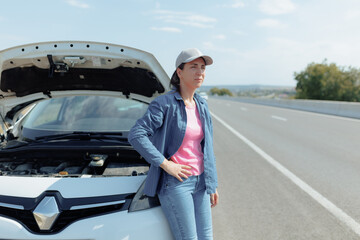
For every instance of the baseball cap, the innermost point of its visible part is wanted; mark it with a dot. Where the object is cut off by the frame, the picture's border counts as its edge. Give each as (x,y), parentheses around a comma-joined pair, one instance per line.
(190,54)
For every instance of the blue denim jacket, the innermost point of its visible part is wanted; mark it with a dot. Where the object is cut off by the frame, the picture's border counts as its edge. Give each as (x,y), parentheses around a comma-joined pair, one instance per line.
(160,132)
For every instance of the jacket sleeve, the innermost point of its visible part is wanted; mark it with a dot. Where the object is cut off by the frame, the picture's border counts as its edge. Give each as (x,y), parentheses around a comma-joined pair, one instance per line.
(145,127)
(212,153)
(212,137)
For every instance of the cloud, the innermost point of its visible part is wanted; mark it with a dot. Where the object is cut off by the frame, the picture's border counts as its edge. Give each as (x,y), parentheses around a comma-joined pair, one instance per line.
(185,18)
(235,4)
(350,15)
(276,7)
(77,3)
(238,4)
(167,29)
(220,37)
(240,33)
(270,23)
(209,46)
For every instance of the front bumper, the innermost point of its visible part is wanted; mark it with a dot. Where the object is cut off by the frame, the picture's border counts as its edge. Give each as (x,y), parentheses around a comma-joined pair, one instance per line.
(146,224)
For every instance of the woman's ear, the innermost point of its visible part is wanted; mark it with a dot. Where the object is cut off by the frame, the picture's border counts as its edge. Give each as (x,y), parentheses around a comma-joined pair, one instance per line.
(179,71)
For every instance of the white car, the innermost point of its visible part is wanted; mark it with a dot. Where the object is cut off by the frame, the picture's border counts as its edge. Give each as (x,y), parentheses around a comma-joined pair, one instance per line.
(67,170)
(204,95)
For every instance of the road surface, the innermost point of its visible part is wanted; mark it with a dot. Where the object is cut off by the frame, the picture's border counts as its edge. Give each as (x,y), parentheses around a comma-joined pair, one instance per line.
(285,174)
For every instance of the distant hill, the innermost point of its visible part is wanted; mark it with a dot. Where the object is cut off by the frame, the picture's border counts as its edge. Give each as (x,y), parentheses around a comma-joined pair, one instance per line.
(256,90)
(253,87)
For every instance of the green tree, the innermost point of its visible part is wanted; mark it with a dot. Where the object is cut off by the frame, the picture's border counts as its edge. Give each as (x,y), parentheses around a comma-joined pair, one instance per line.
(214,91)
(225,91)
(328,82)
(220,92)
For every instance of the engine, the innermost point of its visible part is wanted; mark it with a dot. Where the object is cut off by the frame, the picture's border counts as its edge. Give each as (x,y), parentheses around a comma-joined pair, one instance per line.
(96,166)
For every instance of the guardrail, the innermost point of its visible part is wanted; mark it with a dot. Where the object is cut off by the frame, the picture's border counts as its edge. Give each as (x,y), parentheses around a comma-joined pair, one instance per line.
(344,109)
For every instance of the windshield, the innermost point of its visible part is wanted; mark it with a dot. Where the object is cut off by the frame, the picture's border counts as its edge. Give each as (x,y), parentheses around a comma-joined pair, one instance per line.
(82,113)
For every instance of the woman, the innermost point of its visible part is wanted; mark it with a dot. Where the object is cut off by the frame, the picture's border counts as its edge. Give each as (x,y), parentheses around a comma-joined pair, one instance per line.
(175,137)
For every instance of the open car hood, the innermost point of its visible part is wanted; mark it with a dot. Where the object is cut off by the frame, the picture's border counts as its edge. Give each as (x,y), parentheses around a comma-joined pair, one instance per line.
(38,71)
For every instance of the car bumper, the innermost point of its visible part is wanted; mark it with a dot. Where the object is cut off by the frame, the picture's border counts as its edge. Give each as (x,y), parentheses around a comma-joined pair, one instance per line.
(146,224)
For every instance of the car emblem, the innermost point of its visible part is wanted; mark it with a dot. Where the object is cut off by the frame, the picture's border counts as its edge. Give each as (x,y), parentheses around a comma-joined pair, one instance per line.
(46,213)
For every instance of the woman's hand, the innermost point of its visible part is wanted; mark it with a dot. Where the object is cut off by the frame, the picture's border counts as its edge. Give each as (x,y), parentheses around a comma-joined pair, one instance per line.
(214,199)
(176,170)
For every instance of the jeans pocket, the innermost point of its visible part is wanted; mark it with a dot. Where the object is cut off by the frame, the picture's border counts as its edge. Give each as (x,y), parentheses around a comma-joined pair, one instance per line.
(172,181)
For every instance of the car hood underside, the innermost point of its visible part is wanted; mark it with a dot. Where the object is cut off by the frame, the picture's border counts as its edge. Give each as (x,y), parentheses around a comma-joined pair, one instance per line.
(36,71)
(28,80)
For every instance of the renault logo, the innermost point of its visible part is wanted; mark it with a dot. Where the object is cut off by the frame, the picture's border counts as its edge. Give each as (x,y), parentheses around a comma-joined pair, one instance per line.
(46,213)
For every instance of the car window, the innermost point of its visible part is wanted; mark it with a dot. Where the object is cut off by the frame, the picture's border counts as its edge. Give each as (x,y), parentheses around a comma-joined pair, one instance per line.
(85,113)
(47,112)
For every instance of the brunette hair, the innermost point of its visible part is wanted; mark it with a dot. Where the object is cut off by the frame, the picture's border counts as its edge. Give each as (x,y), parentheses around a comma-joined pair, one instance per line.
(175,80)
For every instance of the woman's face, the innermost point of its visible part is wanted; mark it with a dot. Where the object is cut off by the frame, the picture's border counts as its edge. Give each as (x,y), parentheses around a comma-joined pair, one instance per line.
(193,74)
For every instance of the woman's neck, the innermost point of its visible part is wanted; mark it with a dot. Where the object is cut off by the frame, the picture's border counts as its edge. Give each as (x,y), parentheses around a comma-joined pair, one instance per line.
(188,96)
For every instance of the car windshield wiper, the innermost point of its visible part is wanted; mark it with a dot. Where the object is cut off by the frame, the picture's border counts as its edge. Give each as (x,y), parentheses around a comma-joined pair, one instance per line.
(78,135)
(15,144)
(85,136)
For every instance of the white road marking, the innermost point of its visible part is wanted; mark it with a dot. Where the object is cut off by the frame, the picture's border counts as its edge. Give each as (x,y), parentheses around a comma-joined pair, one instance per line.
(327,115)
(279,118)
(243,109)
(332,208)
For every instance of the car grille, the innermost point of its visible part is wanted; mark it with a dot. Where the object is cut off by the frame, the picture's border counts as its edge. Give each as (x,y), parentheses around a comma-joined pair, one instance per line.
(67,215)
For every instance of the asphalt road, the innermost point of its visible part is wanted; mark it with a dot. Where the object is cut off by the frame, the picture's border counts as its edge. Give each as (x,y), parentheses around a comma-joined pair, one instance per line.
(258,201)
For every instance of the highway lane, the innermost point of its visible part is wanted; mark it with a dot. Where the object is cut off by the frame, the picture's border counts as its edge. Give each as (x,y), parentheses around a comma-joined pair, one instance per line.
(259,202)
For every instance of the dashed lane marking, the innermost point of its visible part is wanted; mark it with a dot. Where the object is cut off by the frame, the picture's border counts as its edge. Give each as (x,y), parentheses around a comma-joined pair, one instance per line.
(279,118)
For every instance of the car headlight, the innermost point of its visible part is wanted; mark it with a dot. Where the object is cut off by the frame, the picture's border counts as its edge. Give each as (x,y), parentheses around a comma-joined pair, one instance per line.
(142,202)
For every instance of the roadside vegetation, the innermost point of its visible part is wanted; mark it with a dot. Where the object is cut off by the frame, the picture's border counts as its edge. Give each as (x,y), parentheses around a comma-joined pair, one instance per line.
(324,81)
(318,81)
(221,92)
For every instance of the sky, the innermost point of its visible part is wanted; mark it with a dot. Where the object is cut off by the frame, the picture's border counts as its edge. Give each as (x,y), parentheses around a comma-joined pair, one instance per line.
(251,41)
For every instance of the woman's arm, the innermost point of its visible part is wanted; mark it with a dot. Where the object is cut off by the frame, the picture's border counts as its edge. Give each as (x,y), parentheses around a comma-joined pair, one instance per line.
(143,129)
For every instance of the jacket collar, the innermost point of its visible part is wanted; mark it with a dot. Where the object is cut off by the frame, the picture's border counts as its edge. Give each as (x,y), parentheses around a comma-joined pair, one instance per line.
(199,98)
(177,95)
(196,96)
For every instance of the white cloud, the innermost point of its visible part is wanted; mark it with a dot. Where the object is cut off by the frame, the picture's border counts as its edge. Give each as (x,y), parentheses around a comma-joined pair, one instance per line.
(220,37)
(167,29)
(276,7)
(209,46)
(185,18)
(238,4)
(77,3)
(235,4)
(352,14)
(281,57)
(240,33)
(270,23)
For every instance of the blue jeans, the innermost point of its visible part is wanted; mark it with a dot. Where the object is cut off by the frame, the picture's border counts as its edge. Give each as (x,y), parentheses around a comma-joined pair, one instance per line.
(187,207)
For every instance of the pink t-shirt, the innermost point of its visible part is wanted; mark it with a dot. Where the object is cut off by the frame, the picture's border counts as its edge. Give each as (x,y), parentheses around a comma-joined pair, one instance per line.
(190,152)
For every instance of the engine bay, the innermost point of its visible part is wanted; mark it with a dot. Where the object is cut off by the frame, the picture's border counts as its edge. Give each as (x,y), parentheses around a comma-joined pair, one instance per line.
(91,165)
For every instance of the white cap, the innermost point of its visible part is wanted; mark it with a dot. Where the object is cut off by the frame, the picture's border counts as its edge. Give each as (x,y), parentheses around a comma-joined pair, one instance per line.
(191,54)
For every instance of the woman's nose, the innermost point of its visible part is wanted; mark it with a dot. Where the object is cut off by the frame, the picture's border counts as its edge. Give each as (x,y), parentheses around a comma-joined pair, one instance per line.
(199,71)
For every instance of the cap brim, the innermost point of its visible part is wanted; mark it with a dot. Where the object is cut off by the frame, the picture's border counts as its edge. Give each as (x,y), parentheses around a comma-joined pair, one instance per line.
(208,60)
